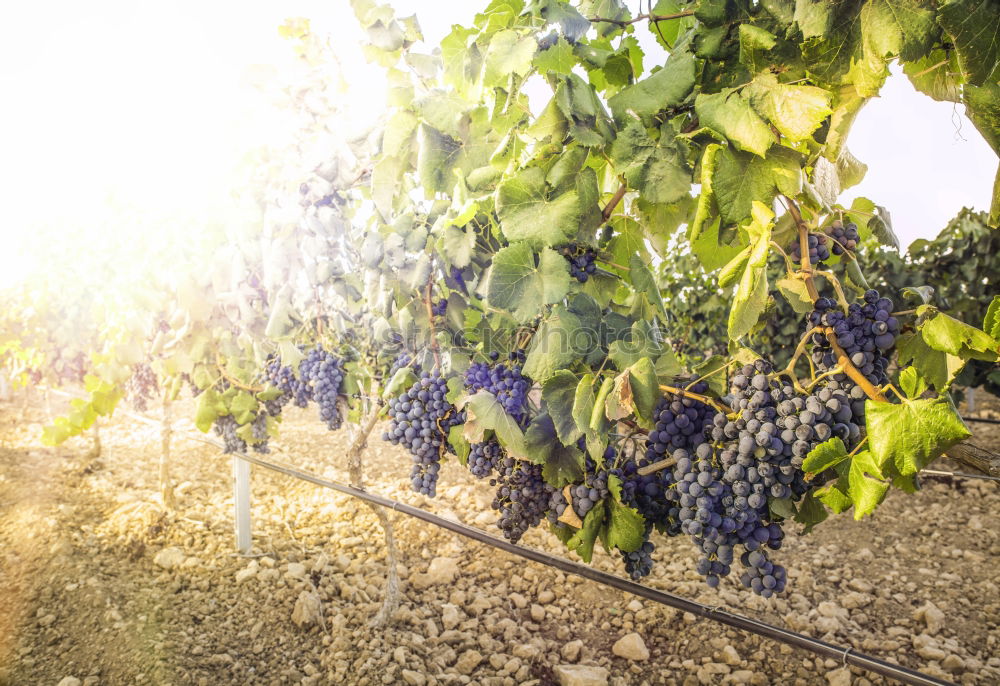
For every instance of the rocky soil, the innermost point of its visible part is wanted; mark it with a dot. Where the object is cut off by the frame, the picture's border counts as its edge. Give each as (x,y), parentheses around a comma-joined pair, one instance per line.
(102,585)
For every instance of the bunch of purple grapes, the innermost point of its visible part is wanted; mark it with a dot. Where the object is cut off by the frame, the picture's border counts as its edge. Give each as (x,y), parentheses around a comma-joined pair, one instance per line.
(141,386)
(581,266)
(867,333)
(819,249)
(440,307)
(283,378)
(420,420)
(845,237)
(505,381)
(324,373)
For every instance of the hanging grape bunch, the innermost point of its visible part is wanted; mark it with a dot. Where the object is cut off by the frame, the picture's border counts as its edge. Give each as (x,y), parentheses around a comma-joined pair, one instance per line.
(141,386)
(819,249)
(225,427)
(292,387)
(844,237)
(324,373)
(504,381)
(440,307)
(420,420)
(581,264)
(522,498)
(867,333)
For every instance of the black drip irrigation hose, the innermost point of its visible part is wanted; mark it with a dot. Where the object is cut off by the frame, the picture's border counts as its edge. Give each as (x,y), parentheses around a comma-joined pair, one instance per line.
(982,420)
(846,655)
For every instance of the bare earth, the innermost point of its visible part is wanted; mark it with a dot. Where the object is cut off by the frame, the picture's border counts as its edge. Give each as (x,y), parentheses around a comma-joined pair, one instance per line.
(101,585)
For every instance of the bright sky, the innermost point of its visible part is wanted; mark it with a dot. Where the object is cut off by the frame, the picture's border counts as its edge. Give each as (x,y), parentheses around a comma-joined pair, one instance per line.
(147,106)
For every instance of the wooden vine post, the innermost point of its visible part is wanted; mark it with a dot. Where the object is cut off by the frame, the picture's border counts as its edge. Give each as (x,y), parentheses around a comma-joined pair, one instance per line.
(166,434)
(355,463)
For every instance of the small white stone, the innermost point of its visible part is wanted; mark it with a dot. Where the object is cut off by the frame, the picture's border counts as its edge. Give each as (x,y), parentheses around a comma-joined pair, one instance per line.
(169,558)
(839,677)
(631,647)
(580,675)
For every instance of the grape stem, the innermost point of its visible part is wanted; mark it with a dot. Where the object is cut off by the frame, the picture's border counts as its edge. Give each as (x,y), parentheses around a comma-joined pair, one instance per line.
(830,372)
(856,376)
(613,203)
(232,381)
(835,282)
(430,320)
(806,268)
(789,266)
(903,313)
(705,376)
(800,349)
(656,466)
(641,17)
(711,402)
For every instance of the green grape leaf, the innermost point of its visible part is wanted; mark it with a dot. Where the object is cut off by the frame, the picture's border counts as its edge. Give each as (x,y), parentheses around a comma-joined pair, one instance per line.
(754,42)
(508,53)
(730,113)
(934,74)
(485,413)
(437,154)
(912,383)
(640,342)
(457,441)
(715,378)
(982,106)
(751,294)
(781,507)
(243,407)
(835,496)
(582,542)
(866,488)
(811,512)
(663,89)
(527,213)
(583,403)
(458,245)
(401,380)
(991,322)
(912,434)
(625,528)
(974,28)
(949,335)
(517,285)
(938,368)
(795,292)
(657,169)
(644,282)
(558,59)
(796,111)
(898,28)
(552,347)
(559,394)
(825,455)
(210,406)
(597,416)
(741,178)
(850,170)
(564,466)
(881,226)
(645,390)
(732,272)
(588,121)
(667,365)
(540,439)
